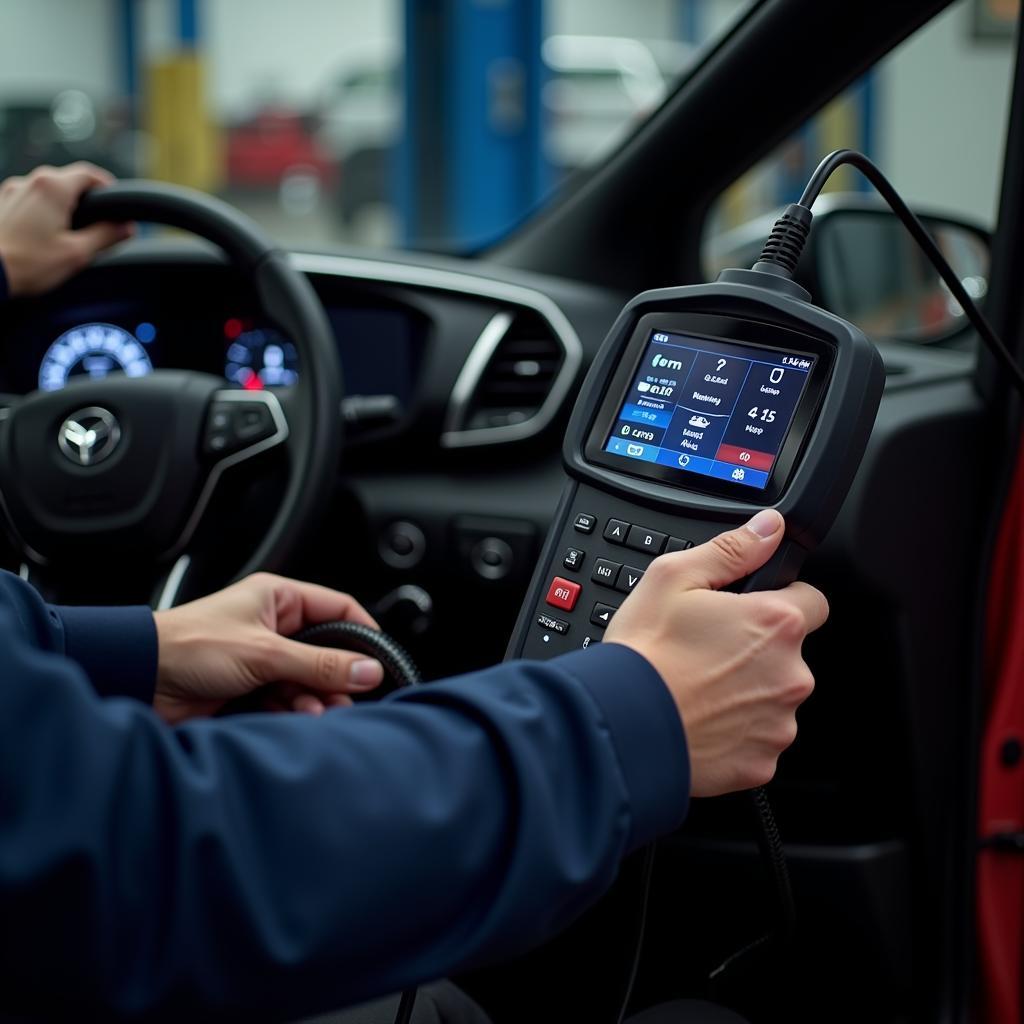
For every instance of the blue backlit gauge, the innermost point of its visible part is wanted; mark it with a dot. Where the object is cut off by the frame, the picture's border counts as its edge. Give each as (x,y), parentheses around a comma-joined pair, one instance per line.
(94,351)
(261,358)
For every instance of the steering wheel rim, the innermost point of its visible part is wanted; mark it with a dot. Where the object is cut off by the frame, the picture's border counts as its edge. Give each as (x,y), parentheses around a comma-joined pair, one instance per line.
(287,298)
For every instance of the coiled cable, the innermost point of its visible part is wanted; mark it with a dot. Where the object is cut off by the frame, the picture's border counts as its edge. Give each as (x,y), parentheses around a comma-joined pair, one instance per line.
(400,671)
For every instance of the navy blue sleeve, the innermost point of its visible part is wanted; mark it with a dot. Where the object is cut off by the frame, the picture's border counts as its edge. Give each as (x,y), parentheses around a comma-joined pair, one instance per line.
(116,647)
(282,865)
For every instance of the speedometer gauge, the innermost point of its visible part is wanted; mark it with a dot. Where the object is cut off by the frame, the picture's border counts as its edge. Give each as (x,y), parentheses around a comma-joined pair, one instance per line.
(92,350)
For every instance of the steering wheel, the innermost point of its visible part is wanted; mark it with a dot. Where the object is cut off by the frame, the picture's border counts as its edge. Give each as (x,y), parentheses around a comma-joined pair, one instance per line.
(119,472)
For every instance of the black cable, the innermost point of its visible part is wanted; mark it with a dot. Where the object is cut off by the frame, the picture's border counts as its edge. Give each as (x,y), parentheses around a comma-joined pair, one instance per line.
(786,242)
(645,885)
(405,1006)
(399,667)
(773,854)
(780,256)
(400,671)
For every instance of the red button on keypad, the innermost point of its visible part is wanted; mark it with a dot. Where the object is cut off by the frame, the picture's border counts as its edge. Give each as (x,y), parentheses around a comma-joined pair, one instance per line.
(563,593)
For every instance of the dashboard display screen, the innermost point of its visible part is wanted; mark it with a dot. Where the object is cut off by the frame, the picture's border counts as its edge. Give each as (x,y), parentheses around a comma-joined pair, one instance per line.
(715,408)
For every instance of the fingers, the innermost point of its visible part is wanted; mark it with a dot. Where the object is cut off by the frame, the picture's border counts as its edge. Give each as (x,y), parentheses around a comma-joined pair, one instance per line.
(282,699)
(72,181)
(731,555)
(97,237)
(809,601)
(793,612)
(306,604)
(311,704)
(322,670)
(307,704)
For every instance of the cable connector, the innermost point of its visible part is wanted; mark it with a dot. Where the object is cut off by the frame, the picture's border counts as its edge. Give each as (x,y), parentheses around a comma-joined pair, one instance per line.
(785,245)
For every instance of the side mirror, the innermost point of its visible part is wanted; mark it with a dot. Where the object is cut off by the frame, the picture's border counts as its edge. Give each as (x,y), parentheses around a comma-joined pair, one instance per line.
(862,264)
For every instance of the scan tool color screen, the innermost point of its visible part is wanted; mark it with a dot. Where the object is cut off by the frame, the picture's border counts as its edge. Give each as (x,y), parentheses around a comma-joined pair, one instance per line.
(710,407)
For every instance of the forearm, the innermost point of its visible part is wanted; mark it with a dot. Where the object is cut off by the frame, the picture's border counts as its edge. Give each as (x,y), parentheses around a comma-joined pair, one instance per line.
(115,647)
(284,864)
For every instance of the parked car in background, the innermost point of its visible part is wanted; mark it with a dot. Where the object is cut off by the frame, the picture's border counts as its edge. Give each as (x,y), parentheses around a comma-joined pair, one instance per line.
(262,152)
(598,88)
(61,128)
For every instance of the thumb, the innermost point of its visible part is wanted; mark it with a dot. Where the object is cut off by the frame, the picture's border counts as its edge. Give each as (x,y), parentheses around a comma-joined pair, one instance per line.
(93,239)
(732,555)
(323,669)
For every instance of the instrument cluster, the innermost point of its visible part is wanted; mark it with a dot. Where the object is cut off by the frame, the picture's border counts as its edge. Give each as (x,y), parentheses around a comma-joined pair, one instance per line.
(255,356)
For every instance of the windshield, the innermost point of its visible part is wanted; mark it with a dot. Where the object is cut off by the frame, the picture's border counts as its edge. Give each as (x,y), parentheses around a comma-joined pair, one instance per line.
(320,120)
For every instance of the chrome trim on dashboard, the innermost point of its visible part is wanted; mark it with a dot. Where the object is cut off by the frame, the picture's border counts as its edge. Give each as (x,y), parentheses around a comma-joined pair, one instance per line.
(470,374)
(480,287)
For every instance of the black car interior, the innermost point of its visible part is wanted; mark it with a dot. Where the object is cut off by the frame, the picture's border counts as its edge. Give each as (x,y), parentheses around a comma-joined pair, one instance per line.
(450,426)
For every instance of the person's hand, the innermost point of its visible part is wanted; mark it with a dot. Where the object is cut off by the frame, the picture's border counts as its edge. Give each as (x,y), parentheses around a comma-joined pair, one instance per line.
(731,661)
(38,249)
(233,643)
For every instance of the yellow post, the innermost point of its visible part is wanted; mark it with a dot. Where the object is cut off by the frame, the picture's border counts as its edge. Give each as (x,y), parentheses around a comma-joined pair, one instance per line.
(184,143)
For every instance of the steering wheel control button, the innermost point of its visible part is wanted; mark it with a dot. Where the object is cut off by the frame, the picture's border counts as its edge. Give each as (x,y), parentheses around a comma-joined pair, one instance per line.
(628,579)
(89,436)
(235,425)
(552,625)
(253,421)
(402,545)
(641,539)
(678,544)
(573,559)
(616,531)
(605,572)
(585,522)
(563,594)
(602,614)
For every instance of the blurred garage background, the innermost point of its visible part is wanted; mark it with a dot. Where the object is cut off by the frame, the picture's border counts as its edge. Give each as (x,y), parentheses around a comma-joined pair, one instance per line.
(442,123)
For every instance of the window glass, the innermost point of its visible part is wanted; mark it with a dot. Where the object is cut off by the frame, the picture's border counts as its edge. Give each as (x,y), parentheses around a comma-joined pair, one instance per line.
(933,116)
(311,116)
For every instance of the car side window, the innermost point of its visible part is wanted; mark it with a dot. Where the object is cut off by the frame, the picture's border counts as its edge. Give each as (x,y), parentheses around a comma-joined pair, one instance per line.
(932,114)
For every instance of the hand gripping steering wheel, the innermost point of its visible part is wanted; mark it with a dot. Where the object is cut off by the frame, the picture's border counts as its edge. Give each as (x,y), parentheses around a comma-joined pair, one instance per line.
(119,472)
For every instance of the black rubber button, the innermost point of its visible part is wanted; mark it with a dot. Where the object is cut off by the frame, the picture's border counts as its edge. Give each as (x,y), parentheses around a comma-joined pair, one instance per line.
(616,531)
(678,544)
(605,572)
(629,577)
(573,558)
(552,624)
(585,522)
(640,539)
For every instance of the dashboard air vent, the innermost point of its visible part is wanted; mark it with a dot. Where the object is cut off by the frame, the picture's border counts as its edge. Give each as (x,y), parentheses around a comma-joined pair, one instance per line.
(518,376)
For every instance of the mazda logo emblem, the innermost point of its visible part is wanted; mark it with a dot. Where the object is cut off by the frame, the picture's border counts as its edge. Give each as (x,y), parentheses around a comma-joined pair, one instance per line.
(89,436)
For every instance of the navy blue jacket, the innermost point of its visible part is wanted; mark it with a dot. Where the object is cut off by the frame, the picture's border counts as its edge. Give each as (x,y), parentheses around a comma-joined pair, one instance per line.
(277,865)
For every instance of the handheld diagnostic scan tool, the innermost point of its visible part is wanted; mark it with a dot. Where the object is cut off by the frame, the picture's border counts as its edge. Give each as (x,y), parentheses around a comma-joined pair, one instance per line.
(704,404)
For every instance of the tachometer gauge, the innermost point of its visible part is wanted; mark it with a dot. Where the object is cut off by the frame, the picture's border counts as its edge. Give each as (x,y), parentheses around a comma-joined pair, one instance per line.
(260,358)
(92,350)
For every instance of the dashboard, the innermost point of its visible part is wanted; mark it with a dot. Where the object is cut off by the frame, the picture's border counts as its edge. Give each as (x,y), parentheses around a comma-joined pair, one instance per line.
(447,486)
(179,321)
